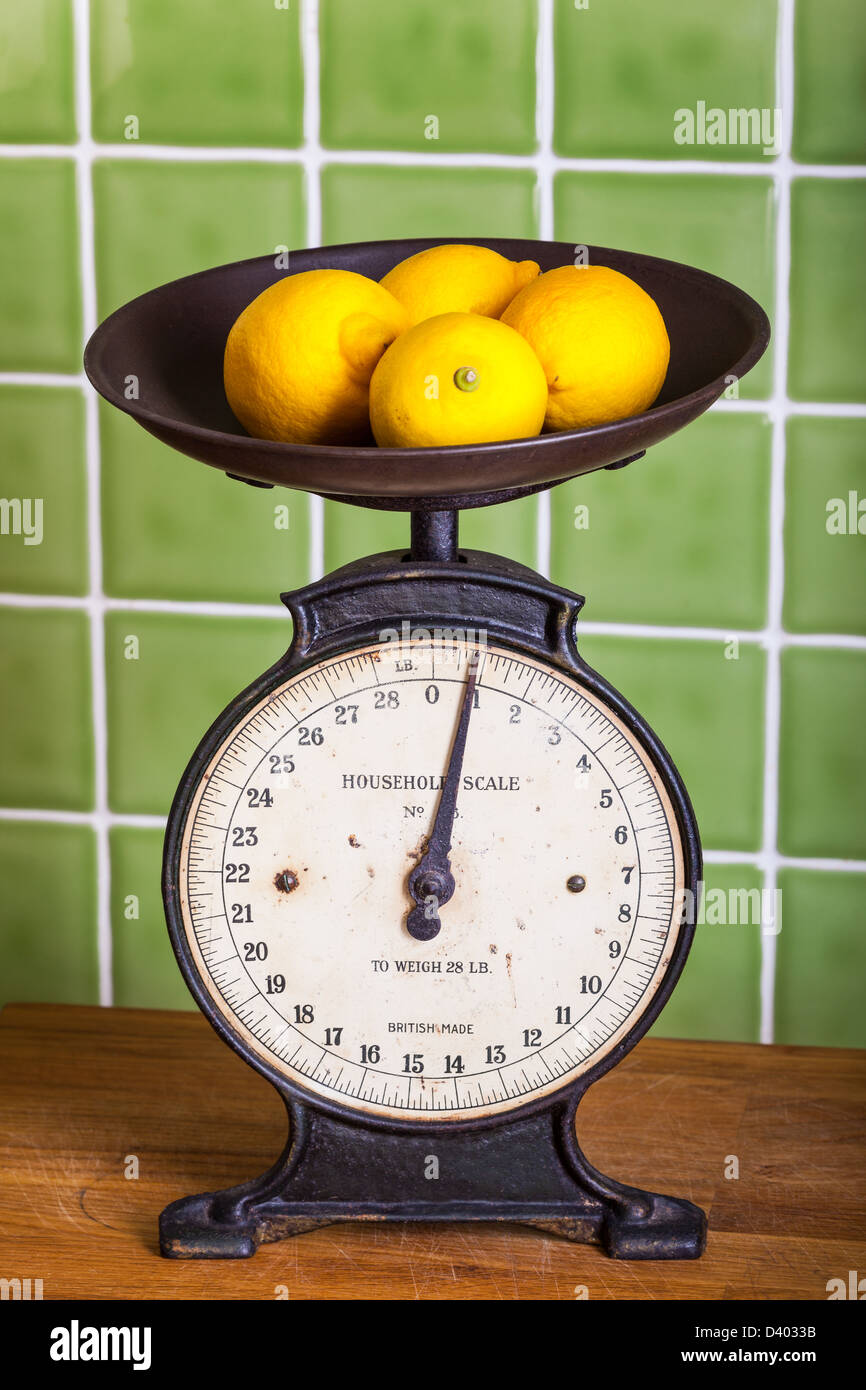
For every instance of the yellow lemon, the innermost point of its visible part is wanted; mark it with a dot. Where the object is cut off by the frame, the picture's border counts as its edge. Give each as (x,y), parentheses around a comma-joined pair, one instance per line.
(457,279)
(457,379)
(600,339)
(298,360)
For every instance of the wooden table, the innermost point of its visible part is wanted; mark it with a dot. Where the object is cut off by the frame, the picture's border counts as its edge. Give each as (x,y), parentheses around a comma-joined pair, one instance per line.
(83,1091)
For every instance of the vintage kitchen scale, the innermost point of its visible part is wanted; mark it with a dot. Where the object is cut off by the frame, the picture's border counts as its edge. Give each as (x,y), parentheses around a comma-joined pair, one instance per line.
(426,874)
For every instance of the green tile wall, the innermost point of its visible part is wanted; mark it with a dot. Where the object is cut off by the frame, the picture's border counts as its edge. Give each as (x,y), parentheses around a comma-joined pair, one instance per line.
(822,757)
(510,528)
(706,706)
(366,204)
(191,74)
(145,973)
(612,537)
(730,554)
(156,221)
(825,519)
(39,261)
(407,75)
(828,280)
(171,530)
(37,91)
(830,57)
(821,960)
(718,995)
(45,709)
(623,70)
(42,466)
(701,219)
(49,941)
(156,716)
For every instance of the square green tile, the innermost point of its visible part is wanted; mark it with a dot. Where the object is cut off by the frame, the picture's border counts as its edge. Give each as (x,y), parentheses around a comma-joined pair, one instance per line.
(45,710)
(718,995)
(195,75)
(352,532)
(624,70)
(37,72)
(829,63)
(822,755)
(707,707)
(724,223)
(510,528)
(173,529)
(825,526)
(166,689)
(43,478)
(39,280)
(680,537)
(156,221)
(827,351)
(390,69)
(144,970)
(49,935)
(821,960)
(370,203)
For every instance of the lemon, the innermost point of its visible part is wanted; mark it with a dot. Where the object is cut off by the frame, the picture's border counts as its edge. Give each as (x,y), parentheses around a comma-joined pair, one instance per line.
(460,279)
(600,339)
(298,360)
(457,379)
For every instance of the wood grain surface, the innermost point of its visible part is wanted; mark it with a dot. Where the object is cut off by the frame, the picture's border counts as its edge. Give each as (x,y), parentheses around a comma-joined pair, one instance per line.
(83,1089)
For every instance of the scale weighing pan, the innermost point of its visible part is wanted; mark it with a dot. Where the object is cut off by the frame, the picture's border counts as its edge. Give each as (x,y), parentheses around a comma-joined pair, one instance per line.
(172,340)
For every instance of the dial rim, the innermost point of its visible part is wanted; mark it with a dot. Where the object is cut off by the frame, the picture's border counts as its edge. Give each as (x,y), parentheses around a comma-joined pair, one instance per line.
(660,982)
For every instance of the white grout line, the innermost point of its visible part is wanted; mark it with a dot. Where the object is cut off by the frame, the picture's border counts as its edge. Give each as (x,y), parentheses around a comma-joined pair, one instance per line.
(193,607)
(776,586)
(312,155)
(69,379)
(140,821)
(241,154)
(198,608)
(312,151)
(545,78)
(786,861)
(733,856)
(83,154)
(831,409)
(762,637)
(90,819)
(317,536)
(837,410)
(814,639)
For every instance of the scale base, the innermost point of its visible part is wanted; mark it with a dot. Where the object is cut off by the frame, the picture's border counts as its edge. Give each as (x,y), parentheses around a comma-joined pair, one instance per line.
(673,1229)
(530,1172)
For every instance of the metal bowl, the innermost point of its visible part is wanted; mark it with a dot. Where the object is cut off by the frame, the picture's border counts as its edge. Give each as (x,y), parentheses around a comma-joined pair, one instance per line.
(172,340)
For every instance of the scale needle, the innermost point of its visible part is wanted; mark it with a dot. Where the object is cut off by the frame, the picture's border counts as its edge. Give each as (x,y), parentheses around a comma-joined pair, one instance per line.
(431,882)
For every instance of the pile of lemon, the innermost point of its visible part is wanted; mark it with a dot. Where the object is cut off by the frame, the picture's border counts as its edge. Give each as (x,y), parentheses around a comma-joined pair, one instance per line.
(455,345)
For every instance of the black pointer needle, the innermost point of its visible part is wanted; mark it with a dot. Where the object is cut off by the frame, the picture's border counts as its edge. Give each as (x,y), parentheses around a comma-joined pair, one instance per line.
(431,882)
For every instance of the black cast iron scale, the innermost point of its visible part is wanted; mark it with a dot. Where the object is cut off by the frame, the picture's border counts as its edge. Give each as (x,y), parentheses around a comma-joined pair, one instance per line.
(426,874)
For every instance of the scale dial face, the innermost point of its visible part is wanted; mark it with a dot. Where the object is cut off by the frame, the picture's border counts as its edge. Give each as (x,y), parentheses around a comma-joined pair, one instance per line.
(305,825)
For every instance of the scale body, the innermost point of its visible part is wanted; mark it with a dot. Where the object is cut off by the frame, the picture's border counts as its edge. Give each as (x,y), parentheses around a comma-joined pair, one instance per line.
(429,874)
(437,1079)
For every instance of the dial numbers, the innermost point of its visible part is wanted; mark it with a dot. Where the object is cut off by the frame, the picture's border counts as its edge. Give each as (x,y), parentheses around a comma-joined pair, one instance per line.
(310,817)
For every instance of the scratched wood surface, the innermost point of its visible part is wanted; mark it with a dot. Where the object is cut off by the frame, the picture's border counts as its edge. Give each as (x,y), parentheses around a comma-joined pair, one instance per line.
(81,1089)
